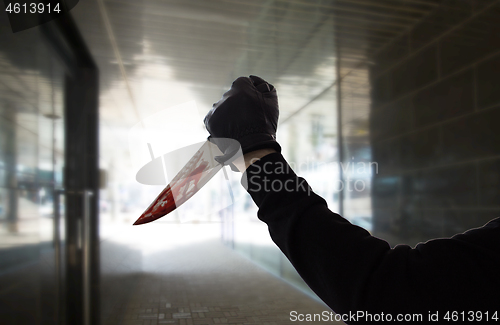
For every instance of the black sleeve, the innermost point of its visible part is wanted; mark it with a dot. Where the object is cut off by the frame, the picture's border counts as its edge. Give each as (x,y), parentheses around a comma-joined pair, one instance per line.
(352,271)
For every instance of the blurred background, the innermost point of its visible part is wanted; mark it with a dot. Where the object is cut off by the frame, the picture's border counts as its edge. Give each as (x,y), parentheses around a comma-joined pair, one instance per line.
(388,108)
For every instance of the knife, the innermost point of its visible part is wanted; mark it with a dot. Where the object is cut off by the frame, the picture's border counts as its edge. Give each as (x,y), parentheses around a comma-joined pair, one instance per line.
(202,167)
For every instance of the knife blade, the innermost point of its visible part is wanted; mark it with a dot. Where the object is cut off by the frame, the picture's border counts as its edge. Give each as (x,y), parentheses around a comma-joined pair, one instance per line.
(189,180)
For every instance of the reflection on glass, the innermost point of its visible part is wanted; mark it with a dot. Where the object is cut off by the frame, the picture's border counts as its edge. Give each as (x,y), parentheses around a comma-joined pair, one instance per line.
(30,88)
(357,165)
(304,76)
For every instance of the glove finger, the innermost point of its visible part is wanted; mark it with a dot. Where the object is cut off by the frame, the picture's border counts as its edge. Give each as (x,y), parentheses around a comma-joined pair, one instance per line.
(241,82)
(231,155)
(230,148)
(258,82)
(263,88)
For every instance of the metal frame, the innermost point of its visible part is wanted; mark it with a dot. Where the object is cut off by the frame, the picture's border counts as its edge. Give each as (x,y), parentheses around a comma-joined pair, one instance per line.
(80,272)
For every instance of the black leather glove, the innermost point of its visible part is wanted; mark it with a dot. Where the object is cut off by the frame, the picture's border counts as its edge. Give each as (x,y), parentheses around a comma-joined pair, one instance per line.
(248,113)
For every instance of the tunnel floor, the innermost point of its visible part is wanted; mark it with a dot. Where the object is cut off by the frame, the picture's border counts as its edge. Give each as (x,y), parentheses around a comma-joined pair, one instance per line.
(169,280)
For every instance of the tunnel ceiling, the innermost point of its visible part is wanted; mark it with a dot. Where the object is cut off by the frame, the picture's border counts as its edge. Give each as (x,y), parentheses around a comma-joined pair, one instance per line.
(200,43)
(155,54)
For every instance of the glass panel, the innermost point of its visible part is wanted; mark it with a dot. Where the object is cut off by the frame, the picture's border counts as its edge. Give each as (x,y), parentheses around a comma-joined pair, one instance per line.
(30,93)
(301,63)
(357,166)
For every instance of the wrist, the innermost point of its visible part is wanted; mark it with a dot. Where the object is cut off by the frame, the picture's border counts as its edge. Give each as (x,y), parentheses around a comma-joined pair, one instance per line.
(242,163)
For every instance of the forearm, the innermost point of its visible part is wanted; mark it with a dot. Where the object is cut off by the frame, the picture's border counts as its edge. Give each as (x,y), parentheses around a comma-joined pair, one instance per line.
(333,256)
(352,270)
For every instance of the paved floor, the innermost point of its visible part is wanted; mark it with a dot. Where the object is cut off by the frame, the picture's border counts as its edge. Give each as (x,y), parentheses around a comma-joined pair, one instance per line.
(191,283)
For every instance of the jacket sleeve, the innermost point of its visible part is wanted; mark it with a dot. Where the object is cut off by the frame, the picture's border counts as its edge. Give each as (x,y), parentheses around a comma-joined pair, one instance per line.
(353,271)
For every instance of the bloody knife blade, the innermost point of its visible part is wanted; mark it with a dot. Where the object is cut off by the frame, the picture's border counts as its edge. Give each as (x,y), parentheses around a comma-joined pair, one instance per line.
(190,179)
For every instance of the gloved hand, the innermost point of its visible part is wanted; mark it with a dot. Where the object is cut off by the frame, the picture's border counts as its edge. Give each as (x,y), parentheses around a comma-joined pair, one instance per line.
(248,113)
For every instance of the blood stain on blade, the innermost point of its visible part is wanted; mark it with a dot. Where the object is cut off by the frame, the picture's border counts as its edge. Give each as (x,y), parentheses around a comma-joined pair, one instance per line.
(182,187)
